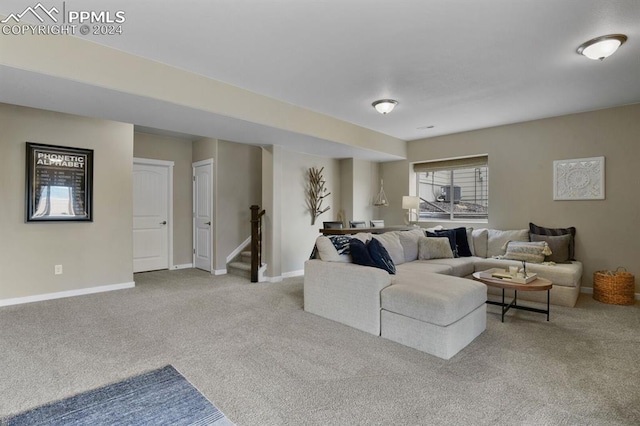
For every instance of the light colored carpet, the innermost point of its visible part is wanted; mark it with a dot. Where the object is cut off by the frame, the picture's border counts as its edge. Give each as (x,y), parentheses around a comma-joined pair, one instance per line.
(264,361)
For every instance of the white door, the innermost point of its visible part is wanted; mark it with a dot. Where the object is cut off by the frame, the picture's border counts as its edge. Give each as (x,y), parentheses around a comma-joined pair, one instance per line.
(151,218)
(203,215)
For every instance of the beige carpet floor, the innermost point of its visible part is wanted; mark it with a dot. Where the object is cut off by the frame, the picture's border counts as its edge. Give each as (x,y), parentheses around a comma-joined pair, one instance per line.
(254,352)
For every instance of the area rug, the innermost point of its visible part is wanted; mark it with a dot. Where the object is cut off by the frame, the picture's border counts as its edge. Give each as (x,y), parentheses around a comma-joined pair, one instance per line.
(159,397)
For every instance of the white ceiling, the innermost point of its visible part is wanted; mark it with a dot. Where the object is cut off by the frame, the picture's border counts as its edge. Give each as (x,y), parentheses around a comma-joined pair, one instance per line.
(457,65)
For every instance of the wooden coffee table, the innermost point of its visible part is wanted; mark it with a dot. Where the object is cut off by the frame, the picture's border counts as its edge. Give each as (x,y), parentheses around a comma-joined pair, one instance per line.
(540,284)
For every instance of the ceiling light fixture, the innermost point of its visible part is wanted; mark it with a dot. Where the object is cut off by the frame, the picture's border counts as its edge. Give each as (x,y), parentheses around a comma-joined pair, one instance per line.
(385,106)
(602,47)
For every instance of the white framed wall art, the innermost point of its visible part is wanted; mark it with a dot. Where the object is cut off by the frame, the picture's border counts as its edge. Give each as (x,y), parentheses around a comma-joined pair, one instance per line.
(578,179)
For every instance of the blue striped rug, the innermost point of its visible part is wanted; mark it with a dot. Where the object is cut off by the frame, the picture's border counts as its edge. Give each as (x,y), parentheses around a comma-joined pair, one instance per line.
(159,397)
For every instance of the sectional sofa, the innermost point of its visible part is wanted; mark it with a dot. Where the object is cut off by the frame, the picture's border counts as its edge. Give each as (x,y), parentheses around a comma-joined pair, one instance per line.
(430,305)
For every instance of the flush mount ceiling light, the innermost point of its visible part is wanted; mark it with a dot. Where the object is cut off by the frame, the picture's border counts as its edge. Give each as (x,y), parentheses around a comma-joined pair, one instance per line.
(385,106)
(602,47)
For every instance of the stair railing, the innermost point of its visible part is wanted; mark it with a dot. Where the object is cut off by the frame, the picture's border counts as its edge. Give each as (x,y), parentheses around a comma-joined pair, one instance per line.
(256,241)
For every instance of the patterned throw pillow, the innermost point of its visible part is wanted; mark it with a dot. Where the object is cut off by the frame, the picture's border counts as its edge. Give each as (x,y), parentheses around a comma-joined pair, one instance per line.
(532,252)
(341,243)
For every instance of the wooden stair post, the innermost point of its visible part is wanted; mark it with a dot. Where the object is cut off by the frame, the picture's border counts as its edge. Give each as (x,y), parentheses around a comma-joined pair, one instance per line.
(256,241)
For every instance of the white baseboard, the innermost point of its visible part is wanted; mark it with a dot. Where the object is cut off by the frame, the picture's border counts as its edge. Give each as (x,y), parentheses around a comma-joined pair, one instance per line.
(266,279)
(589,290)
(183,266)
(219,272)
(290,274)
(63,294)
(238,249)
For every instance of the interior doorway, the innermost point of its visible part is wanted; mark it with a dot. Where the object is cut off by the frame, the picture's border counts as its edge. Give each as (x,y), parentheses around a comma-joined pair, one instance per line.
(152,214)
(203,215)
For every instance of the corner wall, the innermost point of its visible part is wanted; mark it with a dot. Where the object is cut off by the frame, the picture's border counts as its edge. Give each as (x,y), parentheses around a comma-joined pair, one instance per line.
(239,185)
(360,185)
(93,254)
(298,234)
(521,179)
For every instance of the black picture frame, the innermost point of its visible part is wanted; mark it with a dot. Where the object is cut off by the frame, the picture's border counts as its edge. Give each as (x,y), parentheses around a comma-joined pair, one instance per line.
(59,184)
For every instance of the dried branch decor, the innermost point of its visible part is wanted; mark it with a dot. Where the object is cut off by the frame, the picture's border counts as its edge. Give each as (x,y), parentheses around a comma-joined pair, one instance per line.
(316,192)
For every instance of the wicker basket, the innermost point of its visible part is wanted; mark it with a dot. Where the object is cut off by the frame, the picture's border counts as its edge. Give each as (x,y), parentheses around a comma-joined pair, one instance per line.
(614,287)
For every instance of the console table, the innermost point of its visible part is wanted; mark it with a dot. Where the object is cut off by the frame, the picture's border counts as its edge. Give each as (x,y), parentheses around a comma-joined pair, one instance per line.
(347,231)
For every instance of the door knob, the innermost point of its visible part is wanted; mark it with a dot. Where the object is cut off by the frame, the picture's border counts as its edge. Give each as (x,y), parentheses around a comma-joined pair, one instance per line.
(207,223)
(164,222)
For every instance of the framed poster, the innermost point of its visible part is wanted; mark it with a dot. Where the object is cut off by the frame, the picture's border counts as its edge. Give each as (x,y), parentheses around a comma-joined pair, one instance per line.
(578,179)
(59,183)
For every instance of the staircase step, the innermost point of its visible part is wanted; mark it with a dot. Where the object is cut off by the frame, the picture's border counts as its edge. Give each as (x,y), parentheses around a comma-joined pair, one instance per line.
(246,256)
(239,269)
(240,265)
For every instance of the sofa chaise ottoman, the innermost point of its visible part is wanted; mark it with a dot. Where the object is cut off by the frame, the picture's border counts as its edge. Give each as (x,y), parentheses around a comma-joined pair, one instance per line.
(430,311)
(434,313)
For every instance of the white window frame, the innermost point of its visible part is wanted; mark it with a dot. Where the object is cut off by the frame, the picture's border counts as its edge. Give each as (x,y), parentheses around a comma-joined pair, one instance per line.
(481,161)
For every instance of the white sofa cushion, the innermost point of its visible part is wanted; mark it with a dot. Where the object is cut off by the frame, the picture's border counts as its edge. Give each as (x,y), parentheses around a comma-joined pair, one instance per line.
(497,239)
(409,242)
(436,299)
(391,241)
(480,242)
(419,267)
(460,266)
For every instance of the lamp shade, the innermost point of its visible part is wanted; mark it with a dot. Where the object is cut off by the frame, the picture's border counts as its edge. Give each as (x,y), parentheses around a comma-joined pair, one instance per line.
(409,202)
(385,106)
(602,47)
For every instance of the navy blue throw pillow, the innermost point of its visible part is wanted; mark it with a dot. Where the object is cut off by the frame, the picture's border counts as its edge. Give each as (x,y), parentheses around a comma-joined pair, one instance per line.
(461,242)
(359,253)
(380,256)
(450,235)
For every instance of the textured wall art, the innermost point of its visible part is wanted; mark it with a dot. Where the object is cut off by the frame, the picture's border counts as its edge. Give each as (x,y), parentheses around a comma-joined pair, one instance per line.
(579,179)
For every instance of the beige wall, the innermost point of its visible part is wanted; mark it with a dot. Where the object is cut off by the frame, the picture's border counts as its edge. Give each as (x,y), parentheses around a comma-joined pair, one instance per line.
(298,235)
(346,191)
(521,179)
(239,185)
(179,151)
(359,186)
(92,254)
(204,149)
(366,185)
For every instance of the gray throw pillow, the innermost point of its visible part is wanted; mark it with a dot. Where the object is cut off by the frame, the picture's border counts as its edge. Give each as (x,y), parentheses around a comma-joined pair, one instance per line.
(559,245)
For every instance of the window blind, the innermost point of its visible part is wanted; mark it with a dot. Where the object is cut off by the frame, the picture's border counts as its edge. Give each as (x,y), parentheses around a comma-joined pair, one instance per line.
(452,164)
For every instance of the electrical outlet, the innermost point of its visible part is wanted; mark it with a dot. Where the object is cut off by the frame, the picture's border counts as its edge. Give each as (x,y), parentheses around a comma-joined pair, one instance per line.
(58,269)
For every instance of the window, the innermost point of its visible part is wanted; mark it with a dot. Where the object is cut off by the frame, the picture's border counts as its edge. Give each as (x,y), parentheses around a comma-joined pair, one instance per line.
(455,189)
